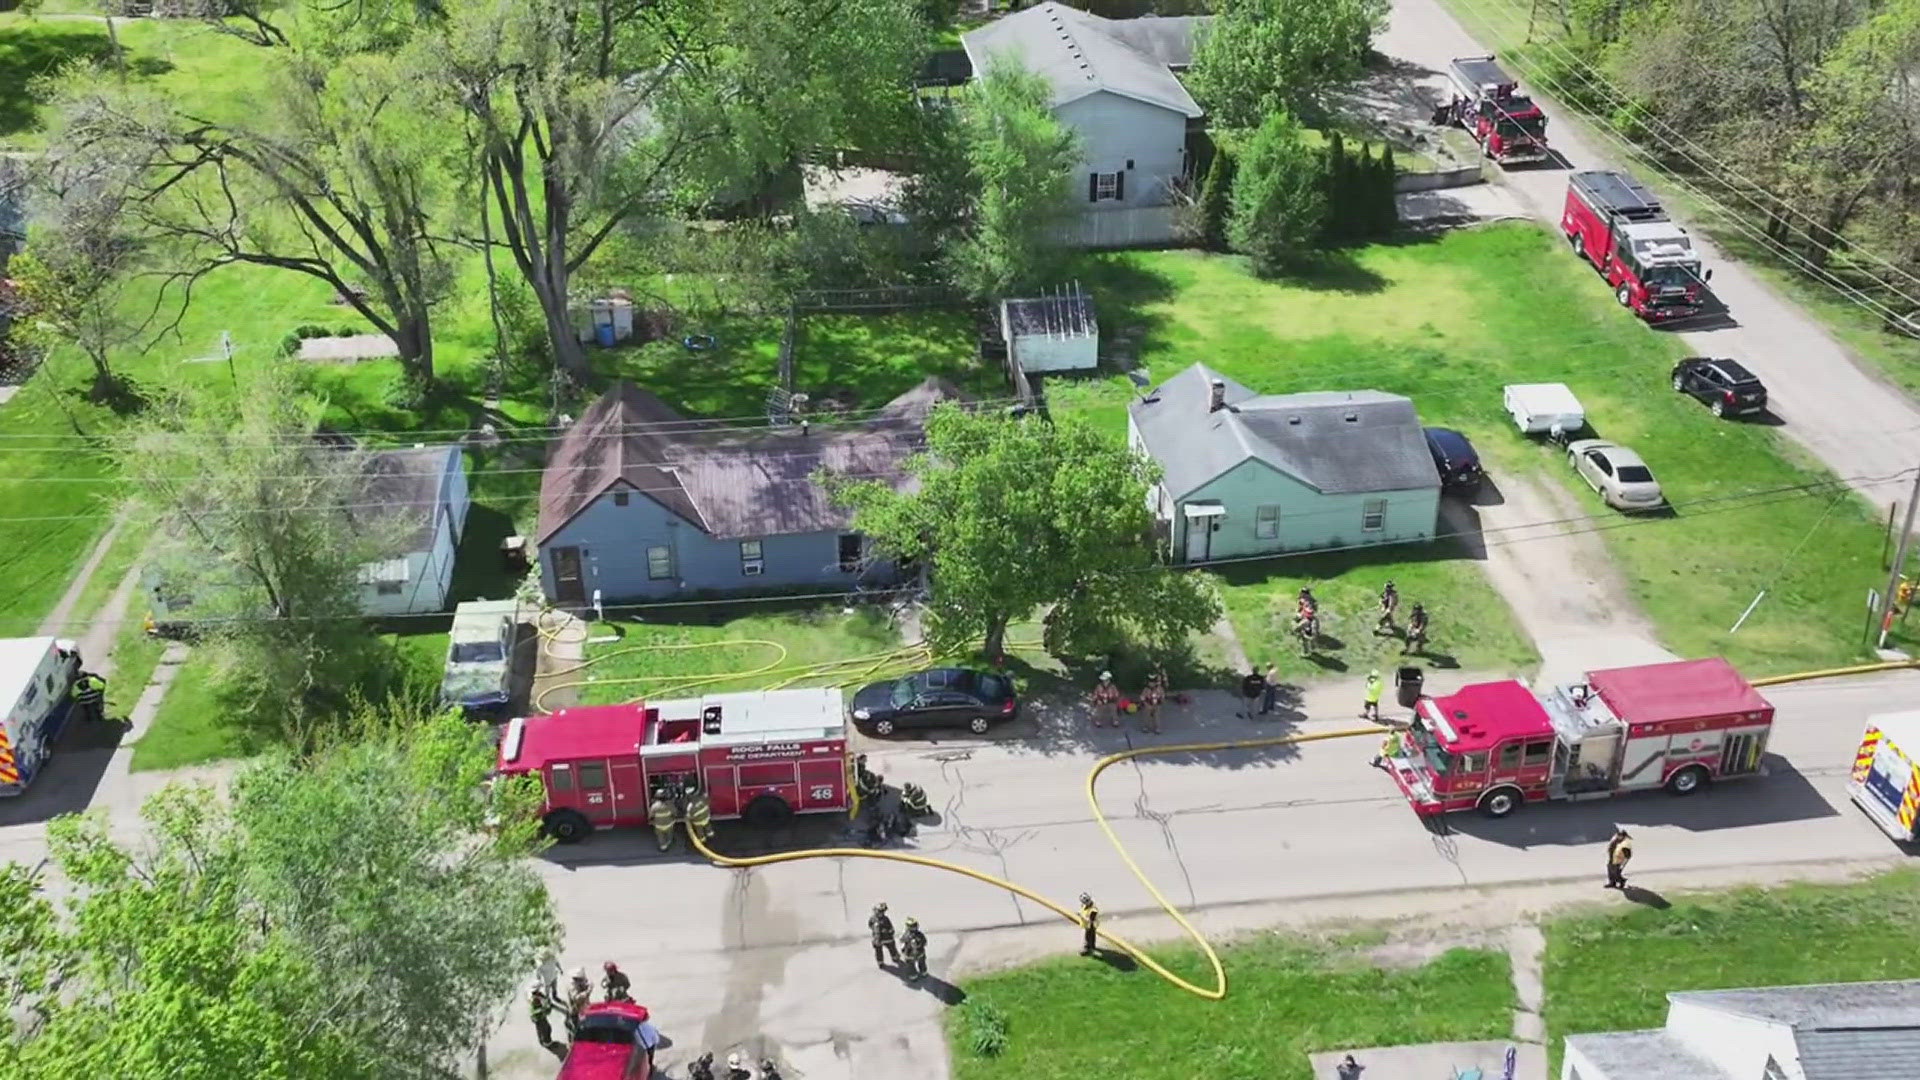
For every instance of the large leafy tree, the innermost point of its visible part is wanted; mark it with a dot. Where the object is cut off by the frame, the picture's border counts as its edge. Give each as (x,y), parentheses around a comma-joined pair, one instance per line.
(347,918)
(1019,159)
(1259,56)
(1279,200)
(1018,515)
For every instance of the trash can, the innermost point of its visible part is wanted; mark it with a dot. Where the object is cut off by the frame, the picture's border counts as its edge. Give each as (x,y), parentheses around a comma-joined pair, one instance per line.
(1409,680)
(603,334)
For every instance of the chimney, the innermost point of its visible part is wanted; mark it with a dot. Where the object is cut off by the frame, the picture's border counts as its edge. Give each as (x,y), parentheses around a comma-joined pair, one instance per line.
(1217,400)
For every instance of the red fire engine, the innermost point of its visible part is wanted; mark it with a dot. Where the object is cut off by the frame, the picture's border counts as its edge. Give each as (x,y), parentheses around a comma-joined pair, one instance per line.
(1493,746)
(1615,223)
(761,757)
(1507,124)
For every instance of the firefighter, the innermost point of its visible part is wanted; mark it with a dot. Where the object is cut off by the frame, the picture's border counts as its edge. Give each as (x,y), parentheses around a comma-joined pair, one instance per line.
(614,984)
(1370,708)
(768,1071)
(913,949)
(1416,630)
(1306,607)
(913,801)
(1106,701)
(701,1068)
(1619,852)
(540,1008)
(663,817)
(90,696)
(1152,697)
(737,1067)
(699,813)
(1389,748)
(881,928)
(579,996)
(867,783)
(1253,687)
(1090,924)
(1389,603)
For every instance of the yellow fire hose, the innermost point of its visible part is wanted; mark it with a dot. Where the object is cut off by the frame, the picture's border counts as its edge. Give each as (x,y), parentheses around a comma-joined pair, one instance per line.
(1829,673)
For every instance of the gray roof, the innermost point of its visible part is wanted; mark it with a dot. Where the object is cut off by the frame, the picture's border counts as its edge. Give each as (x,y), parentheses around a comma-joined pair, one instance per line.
(1825,1006)
(1169,39)
(730,484)
(1644,1055)
(1081,54)
(403,488)
(1340,442)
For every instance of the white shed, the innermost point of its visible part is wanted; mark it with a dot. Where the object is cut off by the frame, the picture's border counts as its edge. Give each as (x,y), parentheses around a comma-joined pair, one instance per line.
(1051,333)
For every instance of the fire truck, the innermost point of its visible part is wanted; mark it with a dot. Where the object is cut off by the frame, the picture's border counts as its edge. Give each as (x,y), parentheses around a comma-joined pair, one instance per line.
(1493,746)
(760,757)
(1507,124)
(1613,221)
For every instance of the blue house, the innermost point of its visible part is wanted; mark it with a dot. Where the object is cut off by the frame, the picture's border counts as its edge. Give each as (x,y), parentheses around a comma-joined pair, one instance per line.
(640,503)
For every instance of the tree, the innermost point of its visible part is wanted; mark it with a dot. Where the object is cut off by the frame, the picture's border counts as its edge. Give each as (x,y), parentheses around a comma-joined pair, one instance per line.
(265,535)
(1279,203)
(1216,199)
(594,113)
(1260,56)
(1337,182)
(1019,161)
(292,927)
(1015,515)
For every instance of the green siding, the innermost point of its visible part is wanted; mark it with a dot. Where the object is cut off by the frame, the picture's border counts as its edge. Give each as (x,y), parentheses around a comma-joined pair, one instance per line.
(1308,519)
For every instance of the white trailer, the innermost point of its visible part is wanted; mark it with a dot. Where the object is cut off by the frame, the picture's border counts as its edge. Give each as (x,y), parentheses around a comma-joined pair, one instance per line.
(1545,409)
(36,695)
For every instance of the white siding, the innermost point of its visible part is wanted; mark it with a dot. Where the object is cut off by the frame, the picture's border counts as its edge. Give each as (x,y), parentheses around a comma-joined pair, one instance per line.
(1044,352)
(1114,130)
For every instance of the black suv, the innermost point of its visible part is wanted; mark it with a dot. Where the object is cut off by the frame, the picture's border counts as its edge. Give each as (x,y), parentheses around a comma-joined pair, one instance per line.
(1455,458)
(1726,387)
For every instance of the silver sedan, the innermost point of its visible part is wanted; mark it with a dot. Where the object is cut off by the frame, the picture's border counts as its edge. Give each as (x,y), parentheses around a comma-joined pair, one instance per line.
(1617,473)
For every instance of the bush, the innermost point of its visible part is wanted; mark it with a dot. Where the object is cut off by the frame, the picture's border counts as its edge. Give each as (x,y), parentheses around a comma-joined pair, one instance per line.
(1279,196)
(984,1027)
(1216,200)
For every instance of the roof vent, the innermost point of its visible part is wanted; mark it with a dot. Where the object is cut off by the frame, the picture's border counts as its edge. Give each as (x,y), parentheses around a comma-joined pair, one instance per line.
(1217,395)
(1293,420)
(1352,418)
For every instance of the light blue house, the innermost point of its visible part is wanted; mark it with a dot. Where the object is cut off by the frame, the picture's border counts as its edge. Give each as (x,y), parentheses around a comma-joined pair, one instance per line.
(640,503)
(1248,474)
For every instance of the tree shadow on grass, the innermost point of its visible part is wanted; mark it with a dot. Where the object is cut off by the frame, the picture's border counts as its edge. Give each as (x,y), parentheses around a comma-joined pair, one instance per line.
(1126,291)
(27,53)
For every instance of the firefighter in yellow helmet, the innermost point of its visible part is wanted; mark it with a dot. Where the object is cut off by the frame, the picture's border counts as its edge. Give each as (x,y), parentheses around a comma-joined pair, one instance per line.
(663,817)
(699,813)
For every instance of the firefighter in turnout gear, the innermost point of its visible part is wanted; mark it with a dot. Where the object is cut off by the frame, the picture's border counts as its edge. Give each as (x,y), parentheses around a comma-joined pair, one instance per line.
(1619,851)
(1389,604)
(579,996)
(614,984)
(913,801)
(913,949)
(1416,630)
(663,817)
(1090,923)
(540,1008)
(881,928)
(699,813)
(867,783)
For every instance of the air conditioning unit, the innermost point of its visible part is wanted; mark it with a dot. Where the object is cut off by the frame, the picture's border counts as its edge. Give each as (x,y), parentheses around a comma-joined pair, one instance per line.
(753,567)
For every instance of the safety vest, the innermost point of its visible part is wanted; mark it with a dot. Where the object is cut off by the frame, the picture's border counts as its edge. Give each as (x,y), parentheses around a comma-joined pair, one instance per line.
(89,689)
(1090,915)
(1374,686)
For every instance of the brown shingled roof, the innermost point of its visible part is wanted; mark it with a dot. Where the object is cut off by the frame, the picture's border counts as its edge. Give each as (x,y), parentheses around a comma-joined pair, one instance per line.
(726,482)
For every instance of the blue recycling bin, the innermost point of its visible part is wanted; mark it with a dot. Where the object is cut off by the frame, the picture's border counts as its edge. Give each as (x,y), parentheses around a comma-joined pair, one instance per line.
(603,333)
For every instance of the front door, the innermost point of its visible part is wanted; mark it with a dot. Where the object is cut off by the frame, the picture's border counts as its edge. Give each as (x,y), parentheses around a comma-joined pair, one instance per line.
(568,588)
(596,791)
(1199,538)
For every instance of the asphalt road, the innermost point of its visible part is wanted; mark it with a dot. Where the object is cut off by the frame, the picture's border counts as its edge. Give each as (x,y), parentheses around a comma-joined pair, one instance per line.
(1861,427)
(773,959)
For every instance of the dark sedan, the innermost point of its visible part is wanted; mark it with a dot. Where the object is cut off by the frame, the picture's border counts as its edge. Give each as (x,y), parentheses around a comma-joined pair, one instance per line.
(1456,460)
(936,698)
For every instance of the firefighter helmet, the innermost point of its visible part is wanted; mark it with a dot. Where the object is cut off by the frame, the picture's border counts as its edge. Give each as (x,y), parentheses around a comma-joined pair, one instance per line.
(880,908)
(1086,898)
(913,924)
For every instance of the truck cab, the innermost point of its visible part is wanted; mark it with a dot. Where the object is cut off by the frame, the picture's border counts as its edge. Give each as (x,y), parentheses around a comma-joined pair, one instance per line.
(1619,226)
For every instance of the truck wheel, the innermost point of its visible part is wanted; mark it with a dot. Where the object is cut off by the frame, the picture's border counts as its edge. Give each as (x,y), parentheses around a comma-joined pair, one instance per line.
(1718,409)
(1687,780)
(567,826)
(1624,294)
(979,725)
(1500,802)
(883,728)
(1579,252)
(767,812)
(1680,383)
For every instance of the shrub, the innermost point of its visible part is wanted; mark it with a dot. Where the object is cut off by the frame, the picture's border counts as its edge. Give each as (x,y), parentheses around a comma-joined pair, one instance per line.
(984,1027)
(1279,196)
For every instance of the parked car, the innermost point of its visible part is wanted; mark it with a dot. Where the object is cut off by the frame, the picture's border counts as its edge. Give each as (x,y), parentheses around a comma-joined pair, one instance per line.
(937,697)
(608,1045)
(1728,388)
(479,671)
(1617,473)
(1456,460)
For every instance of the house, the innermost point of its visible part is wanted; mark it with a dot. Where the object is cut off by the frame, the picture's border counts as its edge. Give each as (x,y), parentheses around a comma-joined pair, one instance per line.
(1051,333)
(1835,1031)
(1113,84)
(639,502)
(415,499)
(1248,474)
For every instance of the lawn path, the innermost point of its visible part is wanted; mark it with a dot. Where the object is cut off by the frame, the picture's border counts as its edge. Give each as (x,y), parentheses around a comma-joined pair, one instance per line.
(1526,947)
(56,619)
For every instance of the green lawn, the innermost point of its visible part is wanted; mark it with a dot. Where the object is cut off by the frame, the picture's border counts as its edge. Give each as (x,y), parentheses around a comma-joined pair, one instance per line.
(1448,321)
(739,647)
(866,360)
(1612,970)
(1071,1018)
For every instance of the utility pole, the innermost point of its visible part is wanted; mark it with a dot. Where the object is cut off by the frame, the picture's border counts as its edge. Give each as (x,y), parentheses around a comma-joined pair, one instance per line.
(226,346)
(1899,563)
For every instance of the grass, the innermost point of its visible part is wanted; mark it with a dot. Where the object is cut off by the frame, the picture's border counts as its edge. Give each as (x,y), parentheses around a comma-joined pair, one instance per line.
(866,361)
(1070,1018)
(1612,971)
(739,647)
(1449,320)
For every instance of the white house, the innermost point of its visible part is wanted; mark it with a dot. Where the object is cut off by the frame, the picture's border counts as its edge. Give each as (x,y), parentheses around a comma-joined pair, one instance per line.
(1835,1031)
(1113,84)
(418,496)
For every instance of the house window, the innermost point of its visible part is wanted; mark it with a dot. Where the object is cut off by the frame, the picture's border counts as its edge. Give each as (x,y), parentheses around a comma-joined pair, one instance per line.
(387,588)
(1266,523)
(1373,515)
(1102,186)
(619,498)
(850,552)
(659,563)
(751,563)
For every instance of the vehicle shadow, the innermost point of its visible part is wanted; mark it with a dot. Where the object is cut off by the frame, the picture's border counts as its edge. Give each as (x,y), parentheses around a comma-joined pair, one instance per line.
(1781,794)
(1487,494)
(67,781)
(1460,523)
(1763,418)
(636,846)
(1555,162)
(1714,315)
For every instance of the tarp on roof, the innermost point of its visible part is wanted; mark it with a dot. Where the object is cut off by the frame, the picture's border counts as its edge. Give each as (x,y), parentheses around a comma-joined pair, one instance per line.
(1679,690)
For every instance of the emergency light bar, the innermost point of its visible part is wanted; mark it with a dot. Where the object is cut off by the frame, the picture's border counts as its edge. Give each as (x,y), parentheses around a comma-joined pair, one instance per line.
(510,742)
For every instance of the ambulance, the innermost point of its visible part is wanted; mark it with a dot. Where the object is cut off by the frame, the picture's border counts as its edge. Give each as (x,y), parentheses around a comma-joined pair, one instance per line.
(1886,774)
(36,695)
